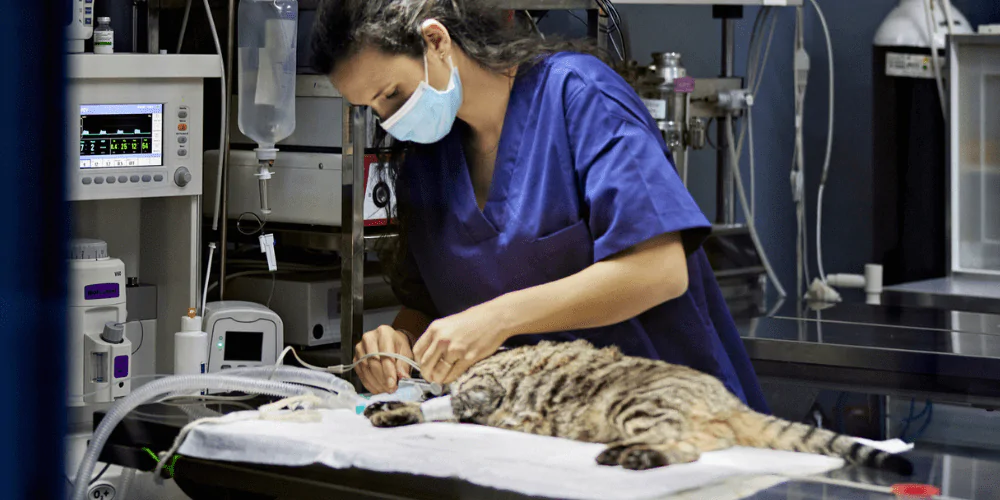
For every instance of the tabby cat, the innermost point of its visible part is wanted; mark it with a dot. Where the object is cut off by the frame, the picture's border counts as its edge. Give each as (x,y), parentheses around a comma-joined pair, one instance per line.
(650,413)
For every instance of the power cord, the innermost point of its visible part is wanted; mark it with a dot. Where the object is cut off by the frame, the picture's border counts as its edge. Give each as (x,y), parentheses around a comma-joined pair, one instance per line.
(928,410)
(142,337)
(92,481)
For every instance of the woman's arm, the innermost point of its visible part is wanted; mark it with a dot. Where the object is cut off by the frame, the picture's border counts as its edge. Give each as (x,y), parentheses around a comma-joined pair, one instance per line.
(608,292)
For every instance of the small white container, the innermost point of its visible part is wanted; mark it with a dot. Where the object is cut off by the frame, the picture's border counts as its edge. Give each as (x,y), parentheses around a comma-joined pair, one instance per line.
(104,37)
(190,346)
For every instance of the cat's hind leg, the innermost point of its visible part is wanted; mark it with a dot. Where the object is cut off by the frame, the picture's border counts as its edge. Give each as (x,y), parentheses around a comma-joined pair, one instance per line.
(394,414)
(642,454)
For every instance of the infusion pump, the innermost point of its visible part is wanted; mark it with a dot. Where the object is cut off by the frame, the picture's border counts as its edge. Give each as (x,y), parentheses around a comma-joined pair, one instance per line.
(136,124)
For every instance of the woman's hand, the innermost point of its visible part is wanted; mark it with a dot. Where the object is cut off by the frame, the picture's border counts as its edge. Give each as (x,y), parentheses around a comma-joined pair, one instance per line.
(380,374)
(453,344)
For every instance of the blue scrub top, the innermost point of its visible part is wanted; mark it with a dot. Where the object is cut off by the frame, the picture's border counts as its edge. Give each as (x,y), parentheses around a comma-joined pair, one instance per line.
(581,174)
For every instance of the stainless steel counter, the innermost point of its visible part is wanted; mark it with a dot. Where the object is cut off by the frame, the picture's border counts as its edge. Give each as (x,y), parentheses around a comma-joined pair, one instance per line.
(963,293)
(949,356)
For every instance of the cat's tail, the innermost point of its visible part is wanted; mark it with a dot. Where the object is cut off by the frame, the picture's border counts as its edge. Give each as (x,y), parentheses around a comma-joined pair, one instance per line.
(762,431)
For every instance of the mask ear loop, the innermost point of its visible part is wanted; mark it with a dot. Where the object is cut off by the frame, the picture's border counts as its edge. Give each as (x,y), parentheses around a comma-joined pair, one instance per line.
(427,76)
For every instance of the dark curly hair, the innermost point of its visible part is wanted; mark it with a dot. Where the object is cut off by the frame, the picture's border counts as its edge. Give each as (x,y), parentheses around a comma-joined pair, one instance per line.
(487,34)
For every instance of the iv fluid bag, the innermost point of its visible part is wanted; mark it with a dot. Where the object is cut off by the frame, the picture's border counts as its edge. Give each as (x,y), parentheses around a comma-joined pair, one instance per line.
(267,43)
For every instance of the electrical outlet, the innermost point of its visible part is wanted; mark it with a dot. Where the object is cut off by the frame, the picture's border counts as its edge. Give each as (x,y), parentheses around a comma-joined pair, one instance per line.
(102,492)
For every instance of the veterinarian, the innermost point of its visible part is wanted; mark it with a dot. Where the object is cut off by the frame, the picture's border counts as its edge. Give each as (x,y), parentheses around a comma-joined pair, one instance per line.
(537,198)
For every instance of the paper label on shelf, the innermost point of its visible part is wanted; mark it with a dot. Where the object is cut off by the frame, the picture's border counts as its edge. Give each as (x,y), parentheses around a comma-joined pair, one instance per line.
(909,65)
(657,108)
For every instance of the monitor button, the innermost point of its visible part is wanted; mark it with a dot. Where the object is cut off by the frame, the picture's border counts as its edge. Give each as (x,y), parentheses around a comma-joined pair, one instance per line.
(99,180)
(158,178)
(87,181)
(134,178)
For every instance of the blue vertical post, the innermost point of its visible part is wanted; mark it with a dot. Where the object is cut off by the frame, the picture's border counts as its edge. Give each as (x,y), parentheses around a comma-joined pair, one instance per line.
(33,248)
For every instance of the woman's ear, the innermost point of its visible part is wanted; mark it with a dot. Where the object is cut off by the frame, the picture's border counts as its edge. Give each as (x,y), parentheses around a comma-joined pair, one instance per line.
(437,38)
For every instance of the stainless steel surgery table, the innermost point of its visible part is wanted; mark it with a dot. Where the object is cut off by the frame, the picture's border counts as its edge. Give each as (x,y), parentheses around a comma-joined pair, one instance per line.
(153,428)
(941,355)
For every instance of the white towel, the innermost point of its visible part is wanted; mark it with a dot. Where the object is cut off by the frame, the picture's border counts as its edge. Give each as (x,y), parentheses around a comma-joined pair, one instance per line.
(506,460)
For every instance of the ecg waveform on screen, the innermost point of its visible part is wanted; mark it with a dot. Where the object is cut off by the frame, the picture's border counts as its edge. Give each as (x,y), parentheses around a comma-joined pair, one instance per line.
(108,135)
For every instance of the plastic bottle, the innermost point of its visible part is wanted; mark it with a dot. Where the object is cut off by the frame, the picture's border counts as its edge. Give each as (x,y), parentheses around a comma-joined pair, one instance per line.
(104,37)
(267,44)
(190,346)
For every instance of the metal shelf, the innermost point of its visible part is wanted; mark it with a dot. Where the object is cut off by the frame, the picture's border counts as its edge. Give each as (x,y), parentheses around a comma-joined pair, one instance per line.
(539,4)
(590,4)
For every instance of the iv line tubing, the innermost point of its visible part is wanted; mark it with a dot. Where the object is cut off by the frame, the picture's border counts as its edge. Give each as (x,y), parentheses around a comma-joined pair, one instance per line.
(929,21)
(829,146)
(208,274)
(344,368)
(224,115)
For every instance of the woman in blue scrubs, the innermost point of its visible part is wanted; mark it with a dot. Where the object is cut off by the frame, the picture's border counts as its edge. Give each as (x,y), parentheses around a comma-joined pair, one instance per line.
(536,195)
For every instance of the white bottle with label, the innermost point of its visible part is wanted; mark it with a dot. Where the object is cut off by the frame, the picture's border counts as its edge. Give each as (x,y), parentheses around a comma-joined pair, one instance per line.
(190,346)
(104,37)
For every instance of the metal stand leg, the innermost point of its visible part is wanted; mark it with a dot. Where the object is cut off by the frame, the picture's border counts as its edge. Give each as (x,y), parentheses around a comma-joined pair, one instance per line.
(224,149)
(153,26)
(597,28)
(352,245)
(725,193)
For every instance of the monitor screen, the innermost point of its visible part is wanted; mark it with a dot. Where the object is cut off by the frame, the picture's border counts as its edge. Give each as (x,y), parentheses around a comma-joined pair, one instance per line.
(243,346)
(121,135)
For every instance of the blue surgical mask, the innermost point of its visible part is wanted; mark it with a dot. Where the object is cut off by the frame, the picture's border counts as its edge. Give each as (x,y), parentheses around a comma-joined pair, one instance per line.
(428,115)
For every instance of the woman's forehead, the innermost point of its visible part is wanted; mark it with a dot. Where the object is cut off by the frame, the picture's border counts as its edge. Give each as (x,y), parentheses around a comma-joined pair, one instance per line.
(361,77)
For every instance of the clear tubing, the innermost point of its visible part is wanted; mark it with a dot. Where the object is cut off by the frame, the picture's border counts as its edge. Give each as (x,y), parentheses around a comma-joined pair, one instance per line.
(151,391)
(296,375)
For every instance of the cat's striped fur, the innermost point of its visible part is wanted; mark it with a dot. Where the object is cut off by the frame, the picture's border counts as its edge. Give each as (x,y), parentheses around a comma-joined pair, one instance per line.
(649,413)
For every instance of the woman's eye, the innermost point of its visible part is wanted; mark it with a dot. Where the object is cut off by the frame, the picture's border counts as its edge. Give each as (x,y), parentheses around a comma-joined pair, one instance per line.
(393,94)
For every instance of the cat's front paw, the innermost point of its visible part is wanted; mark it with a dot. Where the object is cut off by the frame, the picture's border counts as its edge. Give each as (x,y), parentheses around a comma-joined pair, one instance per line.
(393,414)
(382,406)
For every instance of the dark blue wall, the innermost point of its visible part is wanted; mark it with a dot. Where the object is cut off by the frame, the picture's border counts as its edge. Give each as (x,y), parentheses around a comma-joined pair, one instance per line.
(847,230)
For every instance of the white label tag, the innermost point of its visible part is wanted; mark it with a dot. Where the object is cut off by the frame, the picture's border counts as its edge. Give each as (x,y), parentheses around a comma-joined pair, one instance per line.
(105,38)
(910,65)
(657,108)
